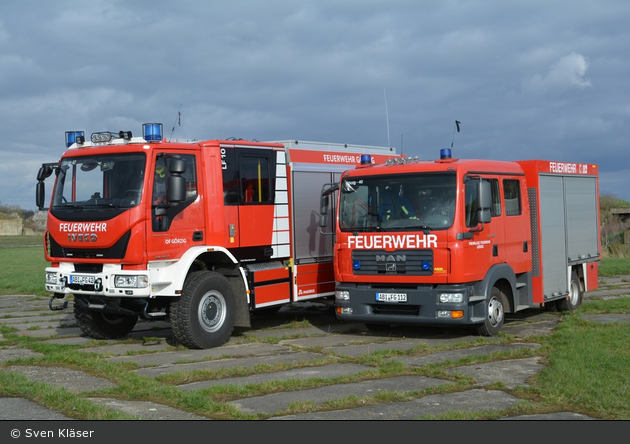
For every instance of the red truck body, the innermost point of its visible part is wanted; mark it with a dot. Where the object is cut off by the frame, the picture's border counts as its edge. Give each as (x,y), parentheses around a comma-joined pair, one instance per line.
(199,233)
(462,242)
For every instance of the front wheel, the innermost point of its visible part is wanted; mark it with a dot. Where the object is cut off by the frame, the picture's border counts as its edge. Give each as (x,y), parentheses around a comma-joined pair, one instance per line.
(495,313)
(203,317)
(103,325)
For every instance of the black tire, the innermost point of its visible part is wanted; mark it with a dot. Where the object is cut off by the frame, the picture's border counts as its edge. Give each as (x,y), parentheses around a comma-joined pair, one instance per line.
(574,300)
(495,313)
(203,317)
(99,325)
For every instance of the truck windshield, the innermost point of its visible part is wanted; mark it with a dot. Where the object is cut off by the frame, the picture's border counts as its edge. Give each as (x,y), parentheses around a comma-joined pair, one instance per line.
(398,202)
(103,181)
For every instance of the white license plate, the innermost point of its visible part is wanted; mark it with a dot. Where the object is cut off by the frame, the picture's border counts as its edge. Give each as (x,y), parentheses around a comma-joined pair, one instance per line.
(391,297)
(82,280)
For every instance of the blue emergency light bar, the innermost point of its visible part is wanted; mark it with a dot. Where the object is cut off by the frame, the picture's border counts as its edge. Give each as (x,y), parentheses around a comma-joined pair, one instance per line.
(152,131)
(366,159)
(73,137)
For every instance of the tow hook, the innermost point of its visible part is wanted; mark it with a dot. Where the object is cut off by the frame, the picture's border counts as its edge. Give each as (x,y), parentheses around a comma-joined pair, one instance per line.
(57,307)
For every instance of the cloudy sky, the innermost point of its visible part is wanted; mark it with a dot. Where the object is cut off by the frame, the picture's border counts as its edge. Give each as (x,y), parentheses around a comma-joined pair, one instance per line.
(526,79)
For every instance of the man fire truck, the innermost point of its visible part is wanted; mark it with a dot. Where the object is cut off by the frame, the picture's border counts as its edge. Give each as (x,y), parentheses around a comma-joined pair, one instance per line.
(461,242)
(196,233)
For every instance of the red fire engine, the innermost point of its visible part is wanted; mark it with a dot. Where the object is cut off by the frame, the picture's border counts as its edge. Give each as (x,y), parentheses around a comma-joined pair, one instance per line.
(196,233)
(462,242)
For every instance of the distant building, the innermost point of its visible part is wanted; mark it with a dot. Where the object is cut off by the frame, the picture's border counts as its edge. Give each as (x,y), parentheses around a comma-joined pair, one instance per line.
(11,226)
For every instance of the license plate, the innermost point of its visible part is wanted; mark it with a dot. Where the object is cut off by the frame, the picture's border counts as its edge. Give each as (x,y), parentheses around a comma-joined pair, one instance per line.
(82,280)
(391,297)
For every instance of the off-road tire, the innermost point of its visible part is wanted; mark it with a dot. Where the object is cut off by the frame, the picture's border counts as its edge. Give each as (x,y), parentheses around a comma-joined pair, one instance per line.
(495,313)
(203,317)
(99,325)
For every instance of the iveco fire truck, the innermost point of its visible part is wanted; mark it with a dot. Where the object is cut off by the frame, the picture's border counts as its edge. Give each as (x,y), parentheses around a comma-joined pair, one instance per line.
(198,233)
(462,242)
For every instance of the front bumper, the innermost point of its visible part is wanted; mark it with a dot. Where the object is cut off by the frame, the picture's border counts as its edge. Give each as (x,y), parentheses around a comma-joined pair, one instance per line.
(422,307)
(65,280)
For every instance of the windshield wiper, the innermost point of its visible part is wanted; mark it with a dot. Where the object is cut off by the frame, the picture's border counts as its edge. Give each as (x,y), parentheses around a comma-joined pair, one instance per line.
(75,206)
(424,228)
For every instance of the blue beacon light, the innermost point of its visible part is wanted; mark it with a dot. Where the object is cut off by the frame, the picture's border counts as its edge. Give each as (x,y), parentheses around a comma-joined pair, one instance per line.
(366,159)
(73,137)
(152,132)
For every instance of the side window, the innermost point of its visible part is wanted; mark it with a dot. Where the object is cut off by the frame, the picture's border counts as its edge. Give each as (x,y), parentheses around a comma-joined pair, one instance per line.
(162,211)
(191,176)
(472,202)
(496,198)
(512,195)
(255,186)
(161,178)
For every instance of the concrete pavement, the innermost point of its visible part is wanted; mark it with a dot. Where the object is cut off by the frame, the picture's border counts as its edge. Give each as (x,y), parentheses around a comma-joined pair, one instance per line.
(324,352)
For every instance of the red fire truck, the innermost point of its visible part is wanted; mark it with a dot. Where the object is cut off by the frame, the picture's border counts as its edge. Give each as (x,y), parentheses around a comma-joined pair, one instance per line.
(462,242)
(197,233)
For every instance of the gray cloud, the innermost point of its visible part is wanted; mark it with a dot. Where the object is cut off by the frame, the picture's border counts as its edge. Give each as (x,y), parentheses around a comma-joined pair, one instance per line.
(527,79)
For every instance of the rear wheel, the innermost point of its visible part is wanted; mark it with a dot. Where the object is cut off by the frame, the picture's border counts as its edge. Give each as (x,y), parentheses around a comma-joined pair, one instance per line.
(203,317)
(103,325)
(495,313)
(574,300)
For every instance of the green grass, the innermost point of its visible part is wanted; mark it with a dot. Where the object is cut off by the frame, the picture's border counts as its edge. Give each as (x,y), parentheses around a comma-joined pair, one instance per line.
(22,241)
(588,369)
(614,266)
(23,270)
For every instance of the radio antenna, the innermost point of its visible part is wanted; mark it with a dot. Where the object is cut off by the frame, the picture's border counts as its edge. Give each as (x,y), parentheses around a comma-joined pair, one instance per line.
(178,120)
(457,123)
(387,118)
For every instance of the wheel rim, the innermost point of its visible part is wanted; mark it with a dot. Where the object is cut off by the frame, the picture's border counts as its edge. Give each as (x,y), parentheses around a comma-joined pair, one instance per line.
(495,312)
(574,293)
(212,311)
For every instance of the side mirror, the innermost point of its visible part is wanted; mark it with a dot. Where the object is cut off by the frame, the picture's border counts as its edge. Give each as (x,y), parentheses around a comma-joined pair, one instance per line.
(323,211)
(324,204)
(484,202)
(176,183)
(176,188)
(484,191)
(44,172)
(40,193)
(177,165)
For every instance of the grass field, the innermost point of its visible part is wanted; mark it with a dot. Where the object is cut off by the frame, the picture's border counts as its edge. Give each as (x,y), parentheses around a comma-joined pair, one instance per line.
(586,363)
(23,264)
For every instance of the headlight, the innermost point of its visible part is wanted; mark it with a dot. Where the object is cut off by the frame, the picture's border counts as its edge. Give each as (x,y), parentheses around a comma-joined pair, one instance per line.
(342,295)
(51,278)
(451,298)
(140,281)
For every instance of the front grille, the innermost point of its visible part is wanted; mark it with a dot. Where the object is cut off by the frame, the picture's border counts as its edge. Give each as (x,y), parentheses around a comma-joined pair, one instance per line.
(398,262)
(116,251)
(88,268)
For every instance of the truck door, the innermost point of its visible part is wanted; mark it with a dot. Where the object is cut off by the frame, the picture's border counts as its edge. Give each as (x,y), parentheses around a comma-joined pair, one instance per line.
(173,226)
(487,246)
(517,226)
(249,179)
